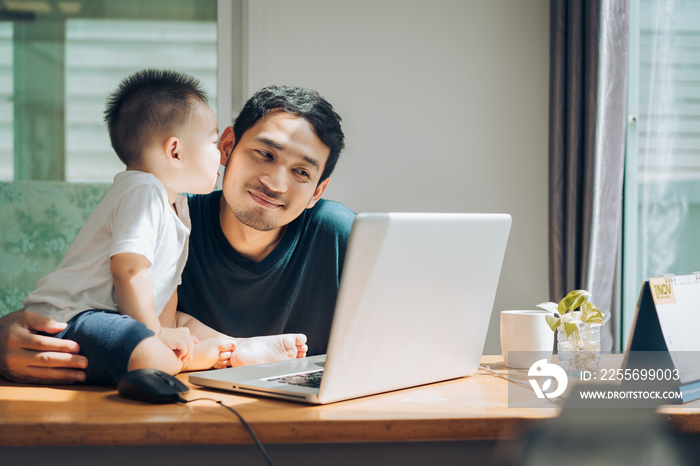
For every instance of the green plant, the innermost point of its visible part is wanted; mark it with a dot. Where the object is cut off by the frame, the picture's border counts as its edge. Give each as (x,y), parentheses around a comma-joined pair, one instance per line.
(575,308)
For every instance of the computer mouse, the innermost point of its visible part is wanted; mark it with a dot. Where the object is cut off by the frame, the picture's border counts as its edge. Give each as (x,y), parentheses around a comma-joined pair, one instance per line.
(151,386)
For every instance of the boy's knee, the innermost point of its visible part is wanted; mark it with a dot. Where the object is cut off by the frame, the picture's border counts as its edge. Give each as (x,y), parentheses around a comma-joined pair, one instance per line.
(152,353)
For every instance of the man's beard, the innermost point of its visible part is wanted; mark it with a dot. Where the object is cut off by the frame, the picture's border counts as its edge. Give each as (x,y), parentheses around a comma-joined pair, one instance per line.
(255,220)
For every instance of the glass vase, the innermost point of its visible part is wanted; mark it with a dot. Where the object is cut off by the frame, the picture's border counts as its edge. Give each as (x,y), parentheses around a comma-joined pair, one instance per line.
(580,351)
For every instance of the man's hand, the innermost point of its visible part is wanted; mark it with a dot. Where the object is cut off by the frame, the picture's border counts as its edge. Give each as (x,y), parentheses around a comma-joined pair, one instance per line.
(31,358)
(179,340)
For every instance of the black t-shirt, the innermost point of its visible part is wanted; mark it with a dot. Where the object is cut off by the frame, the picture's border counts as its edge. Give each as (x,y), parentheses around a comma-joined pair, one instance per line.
(293,289)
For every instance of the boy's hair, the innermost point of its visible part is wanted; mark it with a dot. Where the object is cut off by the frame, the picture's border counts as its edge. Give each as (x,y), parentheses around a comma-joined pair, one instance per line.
(147,103)
(304,103)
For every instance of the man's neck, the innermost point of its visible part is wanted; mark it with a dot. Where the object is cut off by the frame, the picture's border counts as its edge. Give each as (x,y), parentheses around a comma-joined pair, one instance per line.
(250,243)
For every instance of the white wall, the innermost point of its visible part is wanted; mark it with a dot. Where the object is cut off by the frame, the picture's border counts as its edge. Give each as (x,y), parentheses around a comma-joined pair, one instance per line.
(444,106)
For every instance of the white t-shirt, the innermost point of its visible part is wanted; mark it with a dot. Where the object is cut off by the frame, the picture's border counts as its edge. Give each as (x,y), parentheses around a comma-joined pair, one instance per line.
(134,217)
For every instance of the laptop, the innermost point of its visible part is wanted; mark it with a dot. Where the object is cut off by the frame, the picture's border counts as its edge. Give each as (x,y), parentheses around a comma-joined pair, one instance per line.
(413,308)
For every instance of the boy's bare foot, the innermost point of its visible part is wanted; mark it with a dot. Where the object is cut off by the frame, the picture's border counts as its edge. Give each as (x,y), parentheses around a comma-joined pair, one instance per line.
(212,353)
(259,350)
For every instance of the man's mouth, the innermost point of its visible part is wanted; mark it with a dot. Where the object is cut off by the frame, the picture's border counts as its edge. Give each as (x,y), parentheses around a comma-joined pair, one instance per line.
(264,200)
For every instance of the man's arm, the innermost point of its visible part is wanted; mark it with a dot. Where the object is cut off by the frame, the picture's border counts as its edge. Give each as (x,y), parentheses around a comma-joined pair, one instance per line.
(167,316)
(31,358)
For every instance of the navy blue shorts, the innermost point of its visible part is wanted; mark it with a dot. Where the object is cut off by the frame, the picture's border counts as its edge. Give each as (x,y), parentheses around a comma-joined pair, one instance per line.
(107,339)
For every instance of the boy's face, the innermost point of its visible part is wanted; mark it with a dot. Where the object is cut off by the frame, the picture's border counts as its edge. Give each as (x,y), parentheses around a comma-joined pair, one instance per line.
(273,173)
(198,152)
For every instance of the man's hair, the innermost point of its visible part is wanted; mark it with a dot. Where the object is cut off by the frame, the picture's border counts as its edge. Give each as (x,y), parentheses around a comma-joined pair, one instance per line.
(304,103)
(147,103)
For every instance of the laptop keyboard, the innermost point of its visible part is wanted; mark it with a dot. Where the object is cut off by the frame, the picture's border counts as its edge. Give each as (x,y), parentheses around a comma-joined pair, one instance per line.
(309,379)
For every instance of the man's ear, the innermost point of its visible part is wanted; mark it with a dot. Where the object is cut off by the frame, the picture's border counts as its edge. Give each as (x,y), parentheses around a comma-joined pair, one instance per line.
(172,151)
(226,143)
(318,193)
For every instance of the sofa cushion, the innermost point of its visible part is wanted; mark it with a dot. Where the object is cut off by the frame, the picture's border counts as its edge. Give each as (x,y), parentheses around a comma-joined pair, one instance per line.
(38,221)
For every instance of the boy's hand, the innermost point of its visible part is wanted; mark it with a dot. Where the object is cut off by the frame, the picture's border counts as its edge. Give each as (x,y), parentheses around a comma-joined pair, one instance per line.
(179,340)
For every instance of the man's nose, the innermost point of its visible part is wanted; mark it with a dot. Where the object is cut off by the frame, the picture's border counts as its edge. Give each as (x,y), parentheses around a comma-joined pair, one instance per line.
(275,178)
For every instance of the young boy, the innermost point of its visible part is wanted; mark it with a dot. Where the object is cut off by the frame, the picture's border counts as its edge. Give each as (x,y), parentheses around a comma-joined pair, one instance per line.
(117,283)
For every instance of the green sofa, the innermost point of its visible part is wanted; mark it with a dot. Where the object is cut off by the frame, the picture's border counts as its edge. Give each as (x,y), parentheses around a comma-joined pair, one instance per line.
(38,220)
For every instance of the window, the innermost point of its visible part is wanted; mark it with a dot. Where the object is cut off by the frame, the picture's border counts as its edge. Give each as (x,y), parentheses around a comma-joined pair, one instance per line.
(59,60)
(662,173)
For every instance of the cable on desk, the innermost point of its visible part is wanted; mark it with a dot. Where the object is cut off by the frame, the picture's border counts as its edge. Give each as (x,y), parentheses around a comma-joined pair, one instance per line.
(517,382)
(263,452)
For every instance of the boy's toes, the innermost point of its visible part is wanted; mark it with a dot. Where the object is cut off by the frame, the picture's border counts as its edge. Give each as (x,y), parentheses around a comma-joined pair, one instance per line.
(289,343)
(300,339)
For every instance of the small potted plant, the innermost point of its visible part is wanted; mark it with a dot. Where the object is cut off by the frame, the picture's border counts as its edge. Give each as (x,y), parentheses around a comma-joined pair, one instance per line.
(577,322)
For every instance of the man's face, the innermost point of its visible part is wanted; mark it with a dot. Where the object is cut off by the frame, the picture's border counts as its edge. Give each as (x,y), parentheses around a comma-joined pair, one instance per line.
(272,174)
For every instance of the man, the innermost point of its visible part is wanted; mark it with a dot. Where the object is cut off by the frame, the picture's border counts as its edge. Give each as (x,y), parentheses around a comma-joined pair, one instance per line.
(266,251)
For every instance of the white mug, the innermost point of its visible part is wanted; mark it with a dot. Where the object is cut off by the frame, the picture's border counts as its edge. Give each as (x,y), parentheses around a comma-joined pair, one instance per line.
(525,338)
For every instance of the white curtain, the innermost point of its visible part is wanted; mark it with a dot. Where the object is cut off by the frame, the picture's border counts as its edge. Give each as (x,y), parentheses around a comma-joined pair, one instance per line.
(669,138)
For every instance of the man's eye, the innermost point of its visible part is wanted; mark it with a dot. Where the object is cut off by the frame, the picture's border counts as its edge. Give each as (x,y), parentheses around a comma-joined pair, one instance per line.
(265,155)
(304,173)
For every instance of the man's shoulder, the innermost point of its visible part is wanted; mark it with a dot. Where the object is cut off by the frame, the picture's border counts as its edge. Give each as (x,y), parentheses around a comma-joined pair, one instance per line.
(201,198)
(197,202)
(331,215)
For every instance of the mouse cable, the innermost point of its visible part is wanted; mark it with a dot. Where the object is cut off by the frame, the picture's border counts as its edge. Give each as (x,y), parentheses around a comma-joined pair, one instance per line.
(263,452)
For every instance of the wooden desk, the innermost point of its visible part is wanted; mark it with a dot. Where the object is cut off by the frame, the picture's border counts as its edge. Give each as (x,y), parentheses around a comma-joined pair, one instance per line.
(469,410)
